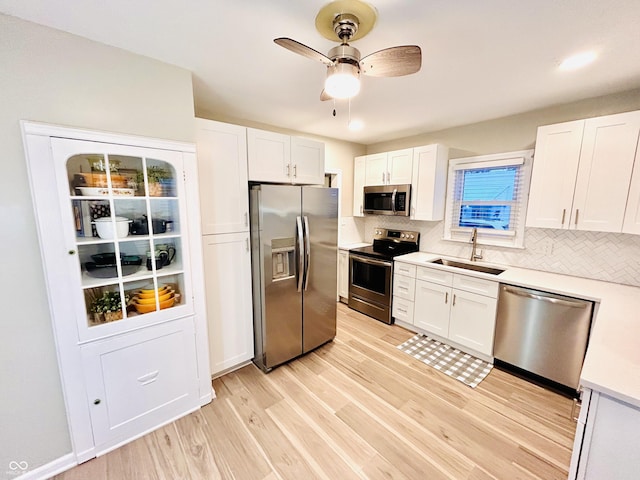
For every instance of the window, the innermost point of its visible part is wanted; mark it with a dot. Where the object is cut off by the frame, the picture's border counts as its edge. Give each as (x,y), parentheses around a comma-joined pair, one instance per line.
(488,193)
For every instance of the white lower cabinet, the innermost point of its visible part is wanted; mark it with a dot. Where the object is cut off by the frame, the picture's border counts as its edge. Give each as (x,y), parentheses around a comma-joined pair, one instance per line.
(607,442)
(343,275)
(227,260)
(138,381)
(451,306)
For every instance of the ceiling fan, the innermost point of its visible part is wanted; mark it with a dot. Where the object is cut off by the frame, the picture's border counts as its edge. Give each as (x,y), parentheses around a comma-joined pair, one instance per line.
(350,20)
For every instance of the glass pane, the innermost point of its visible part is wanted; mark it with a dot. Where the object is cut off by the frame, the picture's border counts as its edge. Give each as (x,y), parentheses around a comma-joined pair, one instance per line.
(126,175)
(150,297)
(167,254)
(89,175)
(495,217)
(161,179)
(104,304)
(164,212)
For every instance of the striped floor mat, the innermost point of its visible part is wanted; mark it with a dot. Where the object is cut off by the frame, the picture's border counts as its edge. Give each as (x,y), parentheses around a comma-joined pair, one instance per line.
(459,365)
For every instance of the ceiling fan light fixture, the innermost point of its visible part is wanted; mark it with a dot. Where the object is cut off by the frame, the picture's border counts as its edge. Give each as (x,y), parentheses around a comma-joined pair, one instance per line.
(343,81)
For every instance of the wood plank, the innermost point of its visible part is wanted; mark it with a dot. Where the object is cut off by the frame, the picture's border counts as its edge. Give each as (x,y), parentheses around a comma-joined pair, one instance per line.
(165,448)
(197,453)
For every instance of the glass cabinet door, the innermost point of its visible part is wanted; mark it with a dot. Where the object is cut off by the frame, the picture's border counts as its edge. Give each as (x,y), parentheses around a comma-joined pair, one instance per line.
(123,206)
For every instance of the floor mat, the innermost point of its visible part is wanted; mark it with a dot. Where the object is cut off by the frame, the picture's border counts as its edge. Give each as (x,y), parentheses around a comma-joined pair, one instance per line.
(459,365)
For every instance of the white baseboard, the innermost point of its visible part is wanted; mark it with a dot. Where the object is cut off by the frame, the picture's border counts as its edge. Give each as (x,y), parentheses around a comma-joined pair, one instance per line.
(50,469)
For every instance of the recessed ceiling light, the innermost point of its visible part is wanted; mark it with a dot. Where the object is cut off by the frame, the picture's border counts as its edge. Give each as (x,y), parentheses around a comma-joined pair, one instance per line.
(577,61)
(356,125)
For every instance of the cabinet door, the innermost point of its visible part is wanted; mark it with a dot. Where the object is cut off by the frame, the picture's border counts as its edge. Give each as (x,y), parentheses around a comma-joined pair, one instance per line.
(269,156)
(227,264)
(307,161)
(631,222)
(376,169)
(555,166)
(431,308)
(606,162)
(222,174)
(429,185)
(359,169)
(400,166)
(140,380)
(472,321)
(343,273)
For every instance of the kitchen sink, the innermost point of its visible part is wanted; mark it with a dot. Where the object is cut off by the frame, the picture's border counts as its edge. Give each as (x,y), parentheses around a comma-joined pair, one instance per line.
(468,266)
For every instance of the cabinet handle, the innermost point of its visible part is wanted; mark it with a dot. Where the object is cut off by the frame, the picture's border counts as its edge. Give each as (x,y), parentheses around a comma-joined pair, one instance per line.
(295,170)
(288,170)
(564,212)
(361,209)
(577,211)
(446,297)
(246,219)
(72,252)
(402,310)
(97,401)
(384,177)
(148,378)
(247,243)
(453,304)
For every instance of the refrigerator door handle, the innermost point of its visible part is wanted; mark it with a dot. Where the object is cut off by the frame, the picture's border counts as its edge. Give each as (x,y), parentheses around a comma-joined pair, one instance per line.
(307,252)
(301,254)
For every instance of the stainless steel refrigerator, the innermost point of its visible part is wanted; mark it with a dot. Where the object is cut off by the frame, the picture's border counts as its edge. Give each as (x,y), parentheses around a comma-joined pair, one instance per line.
(294,236)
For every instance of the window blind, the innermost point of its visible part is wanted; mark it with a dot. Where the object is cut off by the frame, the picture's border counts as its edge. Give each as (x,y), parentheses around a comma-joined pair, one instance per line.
(488,196)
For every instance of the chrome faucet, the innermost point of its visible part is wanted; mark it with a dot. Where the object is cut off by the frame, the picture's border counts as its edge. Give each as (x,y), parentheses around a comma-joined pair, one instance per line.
(474,240)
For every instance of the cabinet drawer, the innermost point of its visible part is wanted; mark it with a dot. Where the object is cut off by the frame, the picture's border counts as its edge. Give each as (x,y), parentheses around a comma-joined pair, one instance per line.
(402,310)
(404,287)
(476,285)
(434,275)
(404,269)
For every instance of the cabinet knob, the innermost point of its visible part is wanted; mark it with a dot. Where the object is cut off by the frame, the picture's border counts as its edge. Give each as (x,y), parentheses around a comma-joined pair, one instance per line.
(97,401)
(72,252)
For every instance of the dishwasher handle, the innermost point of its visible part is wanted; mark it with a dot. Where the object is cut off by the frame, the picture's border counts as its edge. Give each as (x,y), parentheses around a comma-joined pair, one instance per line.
(557,301)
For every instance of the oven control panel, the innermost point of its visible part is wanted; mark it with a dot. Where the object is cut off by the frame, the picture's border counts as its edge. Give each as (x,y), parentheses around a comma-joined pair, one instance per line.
(398,235)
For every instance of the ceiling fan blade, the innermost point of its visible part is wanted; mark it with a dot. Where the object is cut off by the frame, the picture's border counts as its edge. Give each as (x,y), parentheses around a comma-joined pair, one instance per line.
(300,49)
(324,96)
(392,62)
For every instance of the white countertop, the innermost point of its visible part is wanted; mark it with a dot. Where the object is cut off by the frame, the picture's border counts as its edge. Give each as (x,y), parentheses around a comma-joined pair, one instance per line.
(612,362)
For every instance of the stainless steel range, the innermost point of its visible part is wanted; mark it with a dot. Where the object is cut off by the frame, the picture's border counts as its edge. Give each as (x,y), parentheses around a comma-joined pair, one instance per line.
(371,271)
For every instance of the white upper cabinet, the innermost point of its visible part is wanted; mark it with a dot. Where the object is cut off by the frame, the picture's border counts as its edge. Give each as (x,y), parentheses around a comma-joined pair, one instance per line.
(307,161)
(553,178)
(277,158)
(631,222)
(222,174)
(582,173)
(389,168)
(604,175)
(429,185)
(359,167)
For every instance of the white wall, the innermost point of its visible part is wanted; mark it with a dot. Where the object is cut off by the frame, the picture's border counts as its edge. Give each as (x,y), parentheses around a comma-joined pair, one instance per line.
(50,76)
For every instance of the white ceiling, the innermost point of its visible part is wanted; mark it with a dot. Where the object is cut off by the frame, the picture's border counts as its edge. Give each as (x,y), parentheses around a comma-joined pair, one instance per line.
(481,59)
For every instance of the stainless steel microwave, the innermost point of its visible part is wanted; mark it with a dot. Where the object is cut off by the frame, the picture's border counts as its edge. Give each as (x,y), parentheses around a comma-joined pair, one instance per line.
(387,200)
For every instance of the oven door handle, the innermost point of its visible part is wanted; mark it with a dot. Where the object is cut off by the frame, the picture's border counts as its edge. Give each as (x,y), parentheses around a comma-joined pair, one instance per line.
(393,201)
(371,261)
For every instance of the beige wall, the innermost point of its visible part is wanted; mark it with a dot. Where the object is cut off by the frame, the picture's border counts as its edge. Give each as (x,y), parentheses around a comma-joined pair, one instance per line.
(516,132)
(50,76)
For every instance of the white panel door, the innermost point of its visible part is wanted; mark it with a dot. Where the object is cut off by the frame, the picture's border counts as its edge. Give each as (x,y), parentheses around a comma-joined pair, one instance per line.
(376,169)
(227,263)
(555,166)
(343,273)
(429,182)
(606,163)
(400,166)
(269,156)
(140,380)
(472,321)
(431,308)
(631,222)
(222,174)
(359,168)
(307,161)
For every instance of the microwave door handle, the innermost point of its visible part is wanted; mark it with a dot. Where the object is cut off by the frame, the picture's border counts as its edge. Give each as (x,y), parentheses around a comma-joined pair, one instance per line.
(300,269)
(393,201)
(307,252)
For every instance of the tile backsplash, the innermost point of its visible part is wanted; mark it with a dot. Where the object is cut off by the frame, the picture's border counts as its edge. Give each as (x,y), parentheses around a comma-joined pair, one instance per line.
(612,257)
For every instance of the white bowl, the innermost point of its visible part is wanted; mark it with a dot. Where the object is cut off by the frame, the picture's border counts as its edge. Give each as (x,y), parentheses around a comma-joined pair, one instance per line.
(104,226)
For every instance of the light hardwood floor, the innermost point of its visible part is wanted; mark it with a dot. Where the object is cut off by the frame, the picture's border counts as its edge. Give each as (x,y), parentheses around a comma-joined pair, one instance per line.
(355,408)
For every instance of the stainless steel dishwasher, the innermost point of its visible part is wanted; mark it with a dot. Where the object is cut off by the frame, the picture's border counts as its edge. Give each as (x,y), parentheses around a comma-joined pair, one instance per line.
(543,333)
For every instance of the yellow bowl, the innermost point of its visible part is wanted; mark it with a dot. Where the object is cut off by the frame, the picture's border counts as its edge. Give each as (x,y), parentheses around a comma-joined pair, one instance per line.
(151,307)
(146,291)
(150,300)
